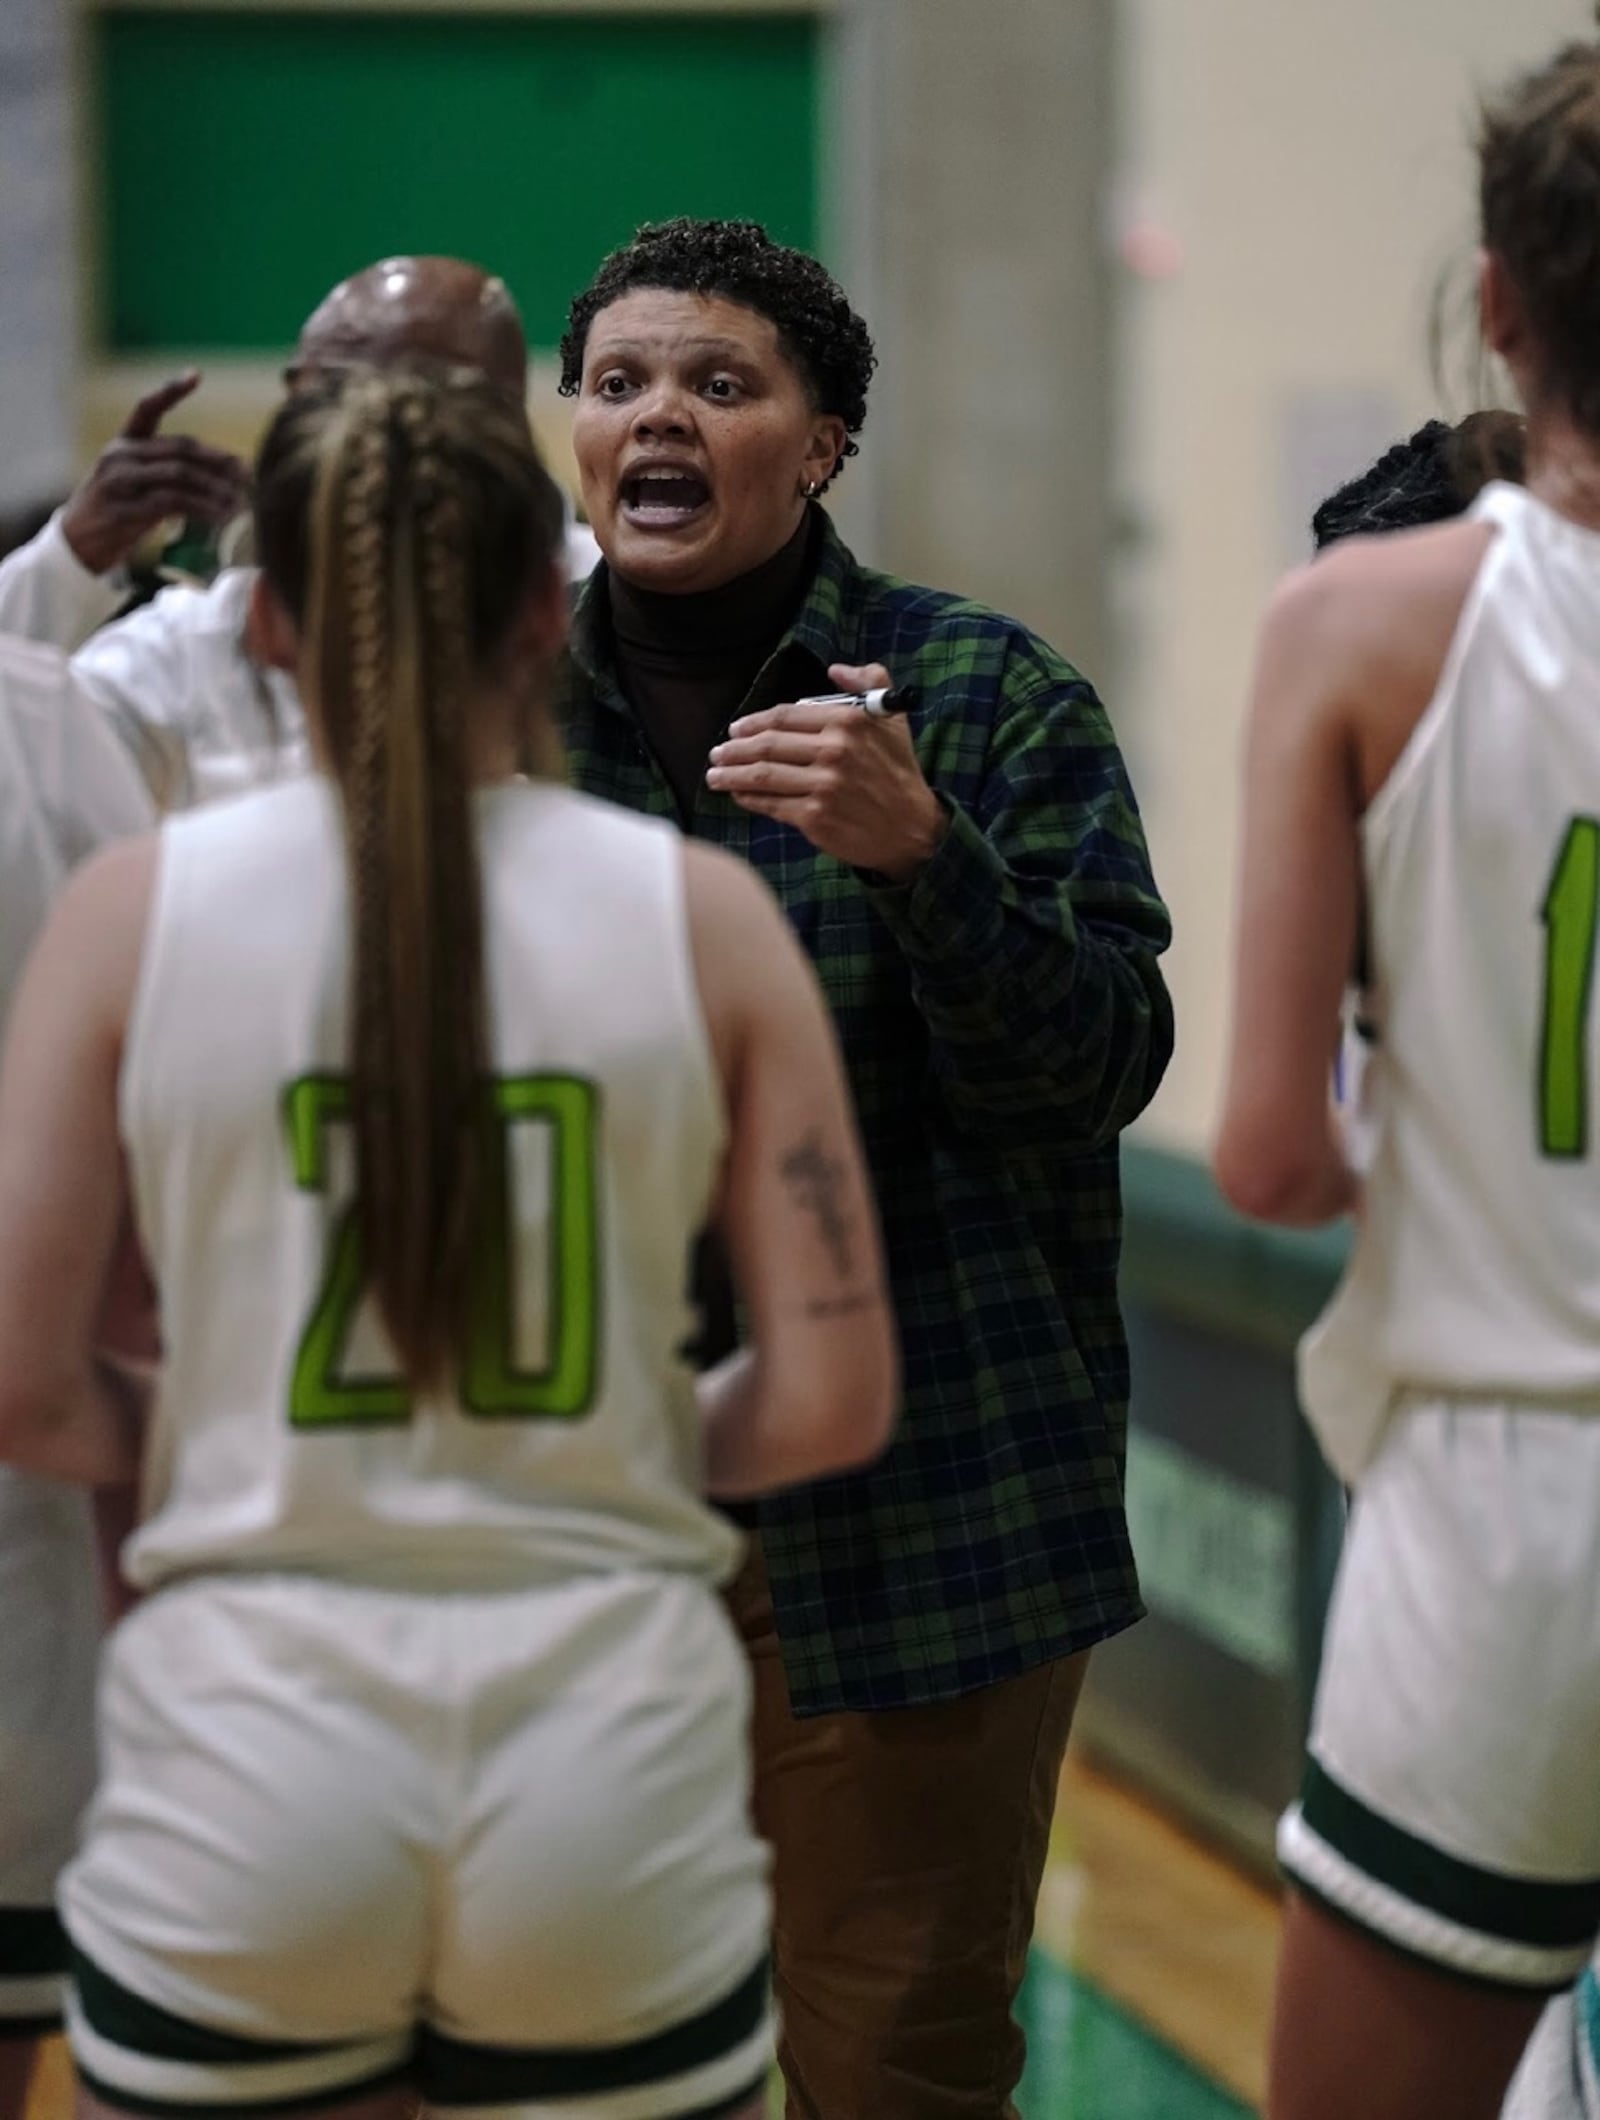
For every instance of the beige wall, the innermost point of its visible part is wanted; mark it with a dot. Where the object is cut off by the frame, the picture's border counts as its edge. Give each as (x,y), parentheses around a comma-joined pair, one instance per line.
(1311,161)
(967,150)
(37,283)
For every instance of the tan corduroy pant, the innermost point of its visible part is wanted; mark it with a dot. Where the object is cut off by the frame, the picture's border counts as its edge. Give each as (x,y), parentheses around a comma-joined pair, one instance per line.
(908,1848)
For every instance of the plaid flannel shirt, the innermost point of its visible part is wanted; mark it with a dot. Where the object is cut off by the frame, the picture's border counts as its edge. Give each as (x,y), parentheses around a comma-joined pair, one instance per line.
(1003,1018)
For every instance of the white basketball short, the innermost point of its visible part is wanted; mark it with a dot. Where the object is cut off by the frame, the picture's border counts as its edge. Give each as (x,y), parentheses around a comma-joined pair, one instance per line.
(49,1643)
(496,1844)
(1452,1795)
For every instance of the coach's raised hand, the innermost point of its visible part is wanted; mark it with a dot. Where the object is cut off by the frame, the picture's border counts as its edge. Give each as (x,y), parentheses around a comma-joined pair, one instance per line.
(144,477)
(850,781)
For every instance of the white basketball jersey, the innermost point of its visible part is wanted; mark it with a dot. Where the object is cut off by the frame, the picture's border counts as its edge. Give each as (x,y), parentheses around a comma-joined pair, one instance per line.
(283,1438)
(67,786)
(1476,1266)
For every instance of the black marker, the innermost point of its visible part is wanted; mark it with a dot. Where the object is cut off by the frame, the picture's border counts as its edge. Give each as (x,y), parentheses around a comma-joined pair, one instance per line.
(887,699)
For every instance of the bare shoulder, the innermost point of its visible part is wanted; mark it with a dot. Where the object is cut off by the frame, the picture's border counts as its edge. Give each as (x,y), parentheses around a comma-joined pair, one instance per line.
(729,906)
(97,927)
(1406,562)
(1379,607)
(116,883)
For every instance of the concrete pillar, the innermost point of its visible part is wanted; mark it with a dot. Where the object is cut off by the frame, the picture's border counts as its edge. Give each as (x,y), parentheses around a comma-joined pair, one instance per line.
(37,262)
(969,142)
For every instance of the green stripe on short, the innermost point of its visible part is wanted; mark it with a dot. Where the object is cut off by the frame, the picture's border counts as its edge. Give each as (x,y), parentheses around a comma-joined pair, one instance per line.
(140,2058)
(115,2096)
(453,2072)
(127,2020)
(33,1943)
(1522,1910)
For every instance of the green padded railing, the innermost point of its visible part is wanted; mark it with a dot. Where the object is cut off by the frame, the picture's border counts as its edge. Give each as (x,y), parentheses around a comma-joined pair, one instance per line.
(1185,1251)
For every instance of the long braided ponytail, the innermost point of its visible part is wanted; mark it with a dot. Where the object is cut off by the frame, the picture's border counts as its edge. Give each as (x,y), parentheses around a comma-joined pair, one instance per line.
(404,518)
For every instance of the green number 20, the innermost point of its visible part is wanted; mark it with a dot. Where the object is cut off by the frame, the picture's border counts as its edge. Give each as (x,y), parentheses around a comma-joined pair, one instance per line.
(1571,915)
(493,1387)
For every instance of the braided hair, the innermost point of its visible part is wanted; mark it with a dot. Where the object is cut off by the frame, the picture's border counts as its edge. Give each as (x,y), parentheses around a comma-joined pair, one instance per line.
(824,339)
(403,518)
(1428,478)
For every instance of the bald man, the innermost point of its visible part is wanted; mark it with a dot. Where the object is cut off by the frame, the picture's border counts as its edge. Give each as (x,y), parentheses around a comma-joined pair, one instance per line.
(417,308)
(176,678)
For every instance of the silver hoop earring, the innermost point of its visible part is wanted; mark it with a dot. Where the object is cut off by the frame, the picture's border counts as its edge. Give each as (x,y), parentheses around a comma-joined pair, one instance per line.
(812,490)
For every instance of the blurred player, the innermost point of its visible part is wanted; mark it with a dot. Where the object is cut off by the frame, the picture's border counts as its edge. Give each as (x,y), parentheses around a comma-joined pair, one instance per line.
(66,787)
(423,1768)
(1432,476)
(1425,743)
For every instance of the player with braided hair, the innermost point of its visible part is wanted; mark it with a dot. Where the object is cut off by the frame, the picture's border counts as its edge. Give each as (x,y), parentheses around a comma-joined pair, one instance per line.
(423,1768)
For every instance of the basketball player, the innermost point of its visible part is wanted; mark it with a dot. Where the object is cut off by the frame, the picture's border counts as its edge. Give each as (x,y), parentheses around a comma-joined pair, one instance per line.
(66,787)
(202,717)
(423,1768)
(1425,746)
(1432,476)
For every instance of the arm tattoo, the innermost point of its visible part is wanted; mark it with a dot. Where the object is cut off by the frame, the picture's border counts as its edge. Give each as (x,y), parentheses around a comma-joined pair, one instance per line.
(815,1181)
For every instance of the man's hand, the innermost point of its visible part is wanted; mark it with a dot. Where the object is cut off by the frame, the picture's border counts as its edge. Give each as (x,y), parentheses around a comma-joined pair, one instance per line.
(144,476)
(849,780)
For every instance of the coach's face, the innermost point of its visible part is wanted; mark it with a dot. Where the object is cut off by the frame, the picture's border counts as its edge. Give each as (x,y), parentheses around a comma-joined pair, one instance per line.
(696,439)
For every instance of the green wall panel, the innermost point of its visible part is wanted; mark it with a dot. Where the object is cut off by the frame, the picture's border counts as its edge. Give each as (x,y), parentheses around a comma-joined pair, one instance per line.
(248,160)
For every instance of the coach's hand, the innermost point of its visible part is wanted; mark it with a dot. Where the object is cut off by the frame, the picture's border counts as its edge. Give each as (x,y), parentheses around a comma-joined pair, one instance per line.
(849,780)
(145,477)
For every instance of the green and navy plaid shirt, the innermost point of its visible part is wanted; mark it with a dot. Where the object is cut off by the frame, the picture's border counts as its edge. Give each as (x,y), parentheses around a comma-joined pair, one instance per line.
(1003,1018)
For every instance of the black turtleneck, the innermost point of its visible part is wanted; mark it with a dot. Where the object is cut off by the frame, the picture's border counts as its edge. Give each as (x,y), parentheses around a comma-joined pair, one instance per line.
(685,663)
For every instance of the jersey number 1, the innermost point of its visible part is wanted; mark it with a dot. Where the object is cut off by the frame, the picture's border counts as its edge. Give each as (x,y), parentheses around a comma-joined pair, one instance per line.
(1571,915)
(492,1384)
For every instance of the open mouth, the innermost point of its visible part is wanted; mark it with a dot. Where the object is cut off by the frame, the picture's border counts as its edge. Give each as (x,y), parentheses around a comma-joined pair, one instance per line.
(664,500)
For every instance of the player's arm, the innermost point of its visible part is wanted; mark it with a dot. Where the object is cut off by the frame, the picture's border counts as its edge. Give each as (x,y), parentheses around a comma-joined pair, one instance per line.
(63,1186)
(1278,1153)
(815,1390)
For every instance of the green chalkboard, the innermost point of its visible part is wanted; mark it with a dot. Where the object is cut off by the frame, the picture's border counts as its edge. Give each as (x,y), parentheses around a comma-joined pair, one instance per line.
(248,160)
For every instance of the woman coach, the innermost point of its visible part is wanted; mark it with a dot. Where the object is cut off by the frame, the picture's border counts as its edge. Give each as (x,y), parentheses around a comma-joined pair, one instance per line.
(972,884)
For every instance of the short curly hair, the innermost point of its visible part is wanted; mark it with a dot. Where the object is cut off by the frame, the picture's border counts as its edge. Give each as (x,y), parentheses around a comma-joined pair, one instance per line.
(818,330)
